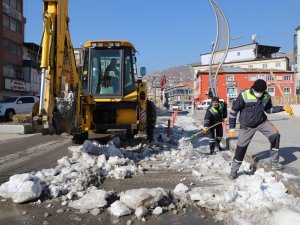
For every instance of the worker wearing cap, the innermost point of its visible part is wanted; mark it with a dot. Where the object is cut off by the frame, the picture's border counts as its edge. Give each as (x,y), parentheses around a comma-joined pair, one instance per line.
(215,113)
(252,105)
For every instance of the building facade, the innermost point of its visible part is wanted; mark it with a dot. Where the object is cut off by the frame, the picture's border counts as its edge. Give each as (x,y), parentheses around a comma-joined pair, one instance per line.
(297,56)
(251,56)
(31,67)
(11,43)
(180,96)
(231,81)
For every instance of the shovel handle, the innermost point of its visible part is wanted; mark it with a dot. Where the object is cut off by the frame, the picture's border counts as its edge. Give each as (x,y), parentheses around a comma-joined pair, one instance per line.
(202,131)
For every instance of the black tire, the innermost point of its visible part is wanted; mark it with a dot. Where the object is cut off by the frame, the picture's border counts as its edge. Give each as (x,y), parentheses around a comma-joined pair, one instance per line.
(151,119)
(80,138)
(9,114)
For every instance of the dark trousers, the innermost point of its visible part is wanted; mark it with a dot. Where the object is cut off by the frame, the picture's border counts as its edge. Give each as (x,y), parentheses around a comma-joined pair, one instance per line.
(215,137)
(245,136)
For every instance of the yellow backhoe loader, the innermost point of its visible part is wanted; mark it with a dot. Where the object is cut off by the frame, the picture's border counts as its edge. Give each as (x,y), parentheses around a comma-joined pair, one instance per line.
(103,96)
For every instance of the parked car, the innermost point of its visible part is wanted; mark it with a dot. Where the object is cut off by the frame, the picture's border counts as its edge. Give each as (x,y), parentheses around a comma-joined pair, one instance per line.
(17,105)
(204,105)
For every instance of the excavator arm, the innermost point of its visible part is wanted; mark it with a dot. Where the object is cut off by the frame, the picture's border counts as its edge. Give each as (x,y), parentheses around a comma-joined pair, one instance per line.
(59,106)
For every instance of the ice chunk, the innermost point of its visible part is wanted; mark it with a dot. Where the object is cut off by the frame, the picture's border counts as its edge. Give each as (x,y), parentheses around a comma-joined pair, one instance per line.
(180,189)
(21,188)
(101,159)
(89,147)
(88,160)
(119,209)
(142,197)
(118,173)
(115,160)
(64,161)
(54,190)
(92,199)
(116,141)
(157,211)
(113,151)
(141,211)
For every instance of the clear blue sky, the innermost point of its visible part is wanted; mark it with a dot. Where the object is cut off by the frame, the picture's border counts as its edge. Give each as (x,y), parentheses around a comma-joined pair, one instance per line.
(171,32)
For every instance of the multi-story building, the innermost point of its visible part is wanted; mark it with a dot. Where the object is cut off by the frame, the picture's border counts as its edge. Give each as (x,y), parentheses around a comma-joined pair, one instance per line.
(250,56)
(250,59)
(231,81)
(181,95)
(11,42)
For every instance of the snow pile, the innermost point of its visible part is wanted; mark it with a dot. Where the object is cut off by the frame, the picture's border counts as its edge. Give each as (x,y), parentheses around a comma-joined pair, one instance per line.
(21,188)
(250,199)
(73,175)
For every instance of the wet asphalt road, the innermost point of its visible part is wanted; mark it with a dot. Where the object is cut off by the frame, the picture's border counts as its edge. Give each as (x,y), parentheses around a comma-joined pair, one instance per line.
(36,152)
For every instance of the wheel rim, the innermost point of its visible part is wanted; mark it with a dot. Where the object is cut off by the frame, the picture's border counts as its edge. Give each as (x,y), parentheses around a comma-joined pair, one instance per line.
(10,115)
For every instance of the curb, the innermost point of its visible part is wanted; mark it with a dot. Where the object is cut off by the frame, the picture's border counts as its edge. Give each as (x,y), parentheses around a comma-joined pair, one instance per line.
(16,129)
(292,185)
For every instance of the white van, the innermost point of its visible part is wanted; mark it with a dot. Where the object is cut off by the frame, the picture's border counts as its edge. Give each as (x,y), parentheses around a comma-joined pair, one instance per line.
(204,105)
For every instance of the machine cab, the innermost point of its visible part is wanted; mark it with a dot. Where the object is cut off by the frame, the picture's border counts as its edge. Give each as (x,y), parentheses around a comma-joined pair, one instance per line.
(109,69)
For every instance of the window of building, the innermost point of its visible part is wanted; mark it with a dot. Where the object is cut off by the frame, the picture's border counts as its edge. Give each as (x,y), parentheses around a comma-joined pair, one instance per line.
(12,24)
(13,3)
(16,4)
(271,91)
(270,77)
(238,53)
(12,47)
(250,66)
(287,78)
(6,21)
(261,76)
(229,77)
(252,77)
(265,66)
(231,91)
(278,64)
(12,71)
(287,91)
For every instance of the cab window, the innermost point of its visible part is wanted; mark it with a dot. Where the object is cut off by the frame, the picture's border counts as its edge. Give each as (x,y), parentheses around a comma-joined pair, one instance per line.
(129,85)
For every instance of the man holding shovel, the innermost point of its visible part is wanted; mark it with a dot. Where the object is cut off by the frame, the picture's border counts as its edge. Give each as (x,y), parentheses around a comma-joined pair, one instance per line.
(215,114)
(252,105)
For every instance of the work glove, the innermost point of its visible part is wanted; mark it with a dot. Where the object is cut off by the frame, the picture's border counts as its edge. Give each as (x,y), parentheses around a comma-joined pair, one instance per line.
(288,109)
(205,129)
(231,133)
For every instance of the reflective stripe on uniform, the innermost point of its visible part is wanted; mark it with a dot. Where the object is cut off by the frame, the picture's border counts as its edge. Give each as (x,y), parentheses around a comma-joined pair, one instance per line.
(275,149)
(249,97)
(215,111)
(232,114)
(237,161)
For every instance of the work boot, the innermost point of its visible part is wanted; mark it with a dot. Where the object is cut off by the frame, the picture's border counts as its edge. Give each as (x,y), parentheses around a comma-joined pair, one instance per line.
(212,148)
(276,166)
(232,175)
(218,146)
(235,166)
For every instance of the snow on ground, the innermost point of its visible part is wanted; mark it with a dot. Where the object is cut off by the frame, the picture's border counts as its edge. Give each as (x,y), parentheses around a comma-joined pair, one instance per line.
(250,199)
